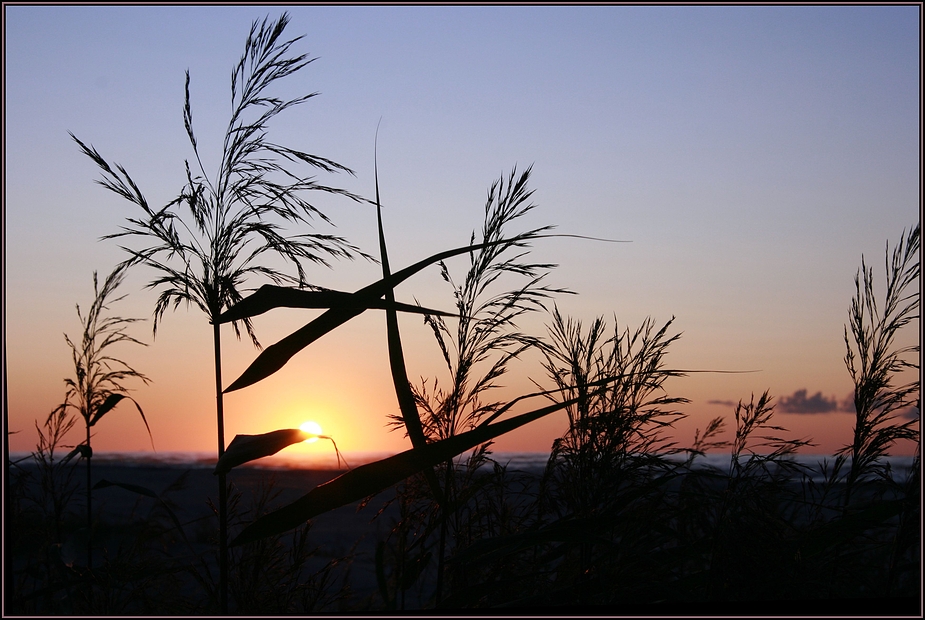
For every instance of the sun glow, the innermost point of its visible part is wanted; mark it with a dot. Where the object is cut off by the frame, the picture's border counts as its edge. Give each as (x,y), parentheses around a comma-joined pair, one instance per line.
(313,429)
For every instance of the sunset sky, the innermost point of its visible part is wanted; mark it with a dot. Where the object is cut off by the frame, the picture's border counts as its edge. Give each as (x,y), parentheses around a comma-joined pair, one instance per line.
(750,155)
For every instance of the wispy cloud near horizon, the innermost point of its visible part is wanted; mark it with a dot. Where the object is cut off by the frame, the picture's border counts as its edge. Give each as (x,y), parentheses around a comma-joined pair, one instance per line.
(799,402)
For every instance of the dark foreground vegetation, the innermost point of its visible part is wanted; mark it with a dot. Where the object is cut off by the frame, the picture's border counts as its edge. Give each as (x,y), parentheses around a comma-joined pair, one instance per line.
(622,520)
(663,538)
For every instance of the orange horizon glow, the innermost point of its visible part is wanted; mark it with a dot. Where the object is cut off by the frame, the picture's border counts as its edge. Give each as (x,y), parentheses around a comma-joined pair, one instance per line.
(343,384)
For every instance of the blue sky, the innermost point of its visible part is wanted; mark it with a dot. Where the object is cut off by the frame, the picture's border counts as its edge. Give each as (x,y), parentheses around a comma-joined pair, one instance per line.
(751,154)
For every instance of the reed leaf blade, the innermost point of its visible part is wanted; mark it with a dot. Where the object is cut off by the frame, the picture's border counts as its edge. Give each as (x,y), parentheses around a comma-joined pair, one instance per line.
(373,478)
(111,401)
(275,356)
(246,448)
(269,297)
(406,401)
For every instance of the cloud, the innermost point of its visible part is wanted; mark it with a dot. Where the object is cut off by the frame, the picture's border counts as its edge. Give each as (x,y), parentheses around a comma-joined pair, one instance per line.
(799,403)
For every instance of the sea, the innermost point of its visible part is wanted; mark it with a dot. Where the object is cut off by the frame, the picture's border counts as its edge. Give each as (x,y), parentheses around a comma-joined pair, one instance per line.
(816,464)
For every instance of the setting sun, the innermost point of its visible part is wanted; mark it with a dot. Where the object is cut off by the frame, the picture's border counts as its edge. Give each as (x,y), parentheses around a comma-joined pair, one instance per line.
(312,428)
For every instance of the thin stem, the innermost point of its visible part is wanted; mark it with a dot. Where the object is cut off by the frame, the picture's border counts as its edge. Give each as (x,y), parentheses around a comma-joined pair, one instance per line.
(219,402)
(89,524)
(446,511)
(222,486)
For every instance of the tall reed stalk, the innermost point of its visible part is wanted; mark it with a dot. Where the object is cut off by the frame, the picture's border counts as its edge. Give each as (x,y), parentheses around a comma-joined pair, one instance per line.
(97,385)
(204,254)
(603,468)
(879,366)
(486,339)
(614,427)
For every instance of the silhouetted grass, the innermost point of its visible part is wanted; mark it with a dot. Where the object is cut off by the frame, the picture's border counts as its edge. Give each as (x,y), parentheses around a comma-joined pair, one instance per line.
(97,385)
(203,255)
(876,363)
(621,520)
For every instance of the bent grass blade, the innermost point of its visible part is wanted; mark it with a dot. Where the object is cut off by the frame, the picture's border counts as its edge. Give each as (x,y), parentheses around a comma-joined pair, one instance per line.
(244,448)
(373,478)
(406,401)
(275,356)
(270,296)
(111,401)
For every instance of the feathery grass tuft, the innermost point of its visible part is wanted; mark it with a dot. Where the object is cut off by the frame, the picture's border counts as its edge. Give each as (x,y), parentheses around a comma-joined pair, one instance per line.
(97,386)
(875,362)
(205,254)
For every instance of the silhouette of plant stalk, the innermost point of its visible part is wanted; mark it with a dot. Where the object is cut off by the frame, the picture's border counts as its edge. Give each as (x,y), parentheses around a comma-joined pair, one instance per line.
(97,386)
(206,253)
(55,488)
(613,425)
(486,334)
(600,483)
(55,475)
(486,331)
(876,363)
(614,439)
(754,494)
